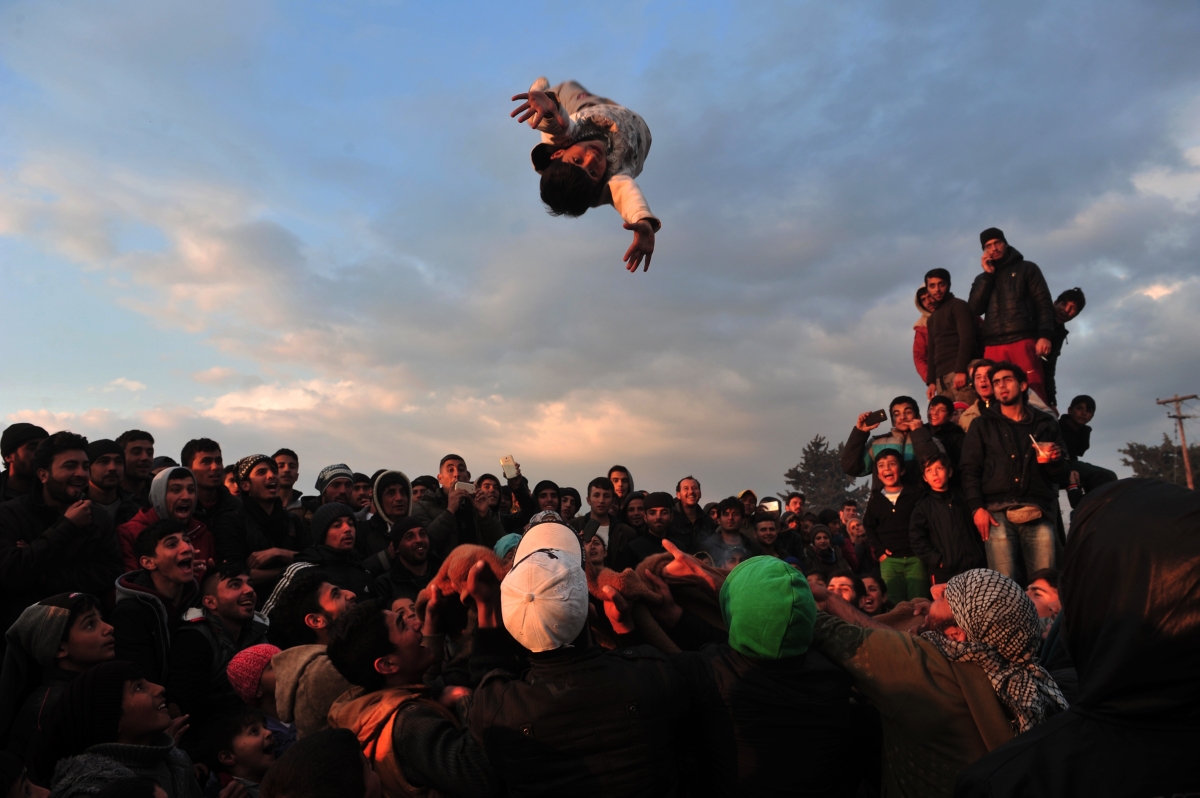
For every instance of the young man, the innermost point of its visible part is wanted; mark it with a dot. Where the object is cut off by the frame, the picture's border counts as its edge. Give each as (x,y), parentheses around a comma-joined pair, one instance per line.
(138,448)
(106,467)
(393,500)
(52,539)
(908,437)
(728,542)
(333,529)
(335,483)
(846,585)
(981,379)
(941,531)
(602,521)
(360,492)
(289,471)
(766,534)
(412,565)
(887,521)
(951,341)
(216,507)
(622,482)
(270,535)
(1077,435)
(1043,592)
(659,527)
(941,424)
(414,742)
(225,624)
(17,445)
(152,599)
(453,516)
(172,496)
(691,523)
(570,504)
(1018,317)
(423,486)
(1069,304)
(1010,485)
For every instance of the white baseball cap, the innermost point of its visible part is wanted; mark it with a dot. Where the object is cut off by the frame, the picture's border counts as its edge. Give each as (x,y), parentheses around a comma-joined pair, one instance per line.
(544,598)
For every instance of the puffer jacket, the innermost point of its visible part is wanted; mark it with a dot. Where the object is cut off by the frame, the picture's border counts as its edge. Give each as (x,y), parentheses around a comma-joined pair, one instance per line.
(1000,468)
(942,534)
(1014,301)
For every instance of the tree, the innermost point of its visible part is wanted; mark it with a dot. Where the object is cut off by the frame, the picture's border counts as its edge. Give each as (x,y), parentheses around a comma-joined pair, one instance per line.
(819,476)
(1161,462)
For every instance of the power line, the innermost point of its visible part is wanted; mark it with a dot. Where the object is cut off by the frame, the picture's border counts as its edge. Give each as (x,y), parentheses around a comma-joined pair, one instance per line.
(1179,416)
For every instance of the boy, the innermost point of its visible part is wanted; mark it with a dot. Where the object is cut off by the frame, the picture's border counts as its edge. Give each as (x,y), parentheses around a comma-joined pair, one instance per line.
(886,521)
(252,675)
(941,530)
(591,151)
(239,747)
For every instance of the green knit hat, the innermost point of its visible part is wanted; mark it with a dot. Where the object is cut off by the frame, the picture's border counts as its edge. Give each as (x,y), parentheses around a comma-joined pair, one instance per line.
(768,609)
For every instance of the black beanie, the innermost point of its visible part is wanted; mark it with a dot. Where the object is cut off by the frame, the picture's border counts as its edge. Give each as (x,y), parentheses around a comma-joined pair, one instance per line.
(659,499)
(324,517)
(990,233)
(396,533)
(89,710)
(427,482)
(19,434)
(102,447)
(545,483)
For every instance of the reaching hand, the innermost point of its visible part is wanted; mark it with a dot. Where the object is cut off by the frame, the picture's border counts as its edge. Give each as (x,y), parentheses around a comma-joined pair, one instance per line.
(432,623)
(617,611)
(984,522)
(537,106)
(685,566)
(643,245)
(479,500)
(454,497)
(483,586)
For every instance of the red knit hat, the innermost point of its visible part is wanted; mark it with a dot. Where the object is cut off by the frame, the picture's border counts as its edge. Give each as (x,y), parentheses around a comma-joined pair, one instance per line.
(246,669)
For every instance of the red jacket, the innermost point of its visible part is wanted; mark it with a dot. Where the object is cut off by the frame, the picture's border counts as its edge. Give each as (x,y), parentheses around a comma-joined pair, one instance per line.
(127,534)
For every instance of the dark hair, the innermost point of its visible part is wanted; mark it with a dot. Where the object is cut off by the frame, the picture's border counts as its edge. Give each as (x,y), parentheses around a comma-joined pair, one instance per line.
(358,638)
(860,589)
(604,483)
(940,273)
(679,484)
(731,503)
(227,569)
(479,480)
(849,503)
(564,492)
(324,764)
(146,544)
(630,497)
(763,517)
(85,602)
(128,436)
(458,457)
(568,190)
(889,452)
(794,495)
(809,515)
(827,517)
(875,574)
(287,452)
(220,732)
(1088,401)
(359,478)
(56,444)
(1017,372)
(230,469)
(1073,295)
(977,363)
(942,400)
(624,470)
(298,599)
(195,447)
(1049,574)
(905,400)
(938,457)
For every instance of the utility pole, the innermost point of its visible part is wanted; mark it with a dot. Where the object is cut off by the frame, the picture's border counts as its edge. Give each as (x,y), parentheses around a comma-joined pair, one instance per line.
(1178,401)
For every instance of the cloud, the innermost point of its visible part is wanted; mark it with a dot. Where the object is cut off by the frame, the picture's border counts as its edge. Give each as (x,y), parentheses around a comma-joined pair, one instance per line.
(124,384)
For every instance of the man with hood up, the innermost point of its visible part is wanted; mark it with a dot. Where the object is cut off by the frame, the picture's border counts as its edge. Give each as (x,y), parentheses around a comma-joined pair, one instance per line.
(334,533)
(770,708)
(966,685)
(1130,594)
(391,496)
(921,334)
(172,495)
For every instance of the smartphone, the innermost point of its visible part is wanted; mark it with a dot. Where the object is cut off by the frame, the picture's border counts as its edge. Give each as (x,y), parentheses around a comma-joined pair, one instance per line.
(878,417)
(771,505)
(469,487)
(510,467)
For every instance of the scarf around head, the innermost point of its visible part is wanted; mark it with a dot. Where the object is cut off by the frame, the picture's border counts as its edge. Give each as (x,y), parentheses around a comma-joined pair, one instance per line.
(1001,626)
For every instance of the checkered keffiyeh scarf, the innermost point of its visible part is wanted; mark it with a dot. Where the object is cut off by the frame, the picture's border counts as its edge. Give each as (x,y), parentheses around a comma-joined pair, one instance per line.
(1001,626)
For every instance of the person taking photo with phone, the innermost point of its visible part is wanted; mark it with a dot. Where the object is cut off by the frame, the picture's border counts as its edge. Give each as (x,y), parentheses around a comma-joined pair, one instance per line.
(456,513)
(908,435)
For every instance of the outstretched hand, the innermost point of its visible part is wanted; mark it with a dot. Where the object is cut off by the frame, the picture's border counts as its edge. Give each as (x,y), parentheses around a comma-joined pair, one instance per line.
(643,245)
(617,611)
(685,566)
(484,588)
(537,106)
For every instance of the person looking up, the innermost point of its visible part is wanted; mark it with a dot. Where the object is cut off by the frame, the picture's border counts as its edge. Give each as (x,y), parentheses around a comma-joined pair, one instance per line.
(172,496)
(270,536)
(216,507)
(239,749)
(18,443)
(252,674)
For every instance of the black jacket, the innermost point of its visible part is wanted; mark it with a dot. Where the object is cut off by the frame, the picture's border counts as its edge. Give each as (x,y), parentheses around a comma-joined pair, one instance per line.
(690,534)
(399,582)
(887,524)
(951,338)
(943,535)
(143,623)
(999,465)
(341,568)
(860,449)
(1078,439)
(951,436)
(1013,300)
(57,556)
(200,651)
(1050,367)
(224,520)
(1132,624)
(583,722)
(620,534)
(766,727)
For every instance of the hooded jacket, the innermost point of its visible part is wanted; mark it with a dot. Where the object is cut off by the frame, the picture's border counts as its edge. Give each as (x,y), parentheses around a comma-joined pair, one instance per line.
(951,338)
(943,535)
(306,686)
(33,642)
(921,341)
(764,699)
(1131,616)
(1013,300)
(372,540)
(56,556)
(143,622)
(127,533)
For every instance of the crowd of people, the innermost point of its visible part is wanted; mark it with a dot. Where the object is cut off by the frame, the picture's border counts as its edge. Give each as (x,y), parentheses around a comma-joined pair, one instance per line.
(188,628)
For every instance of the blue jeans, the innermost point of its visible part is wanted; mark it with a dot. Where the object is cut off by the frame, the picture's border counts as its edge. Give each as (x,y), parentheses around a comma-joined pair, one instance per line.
(1010,546)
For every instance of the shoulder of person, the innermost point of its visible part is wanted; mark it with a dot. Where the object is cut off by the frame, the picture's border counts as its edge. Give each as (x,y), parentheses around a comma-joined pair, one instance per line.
(642,652)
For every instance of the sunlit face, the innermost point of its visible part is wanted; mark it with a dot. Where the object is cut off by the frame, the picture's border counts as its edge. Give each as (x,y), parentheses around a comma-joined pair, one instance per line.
(594,550)
(570,506)
(106,471)
(855,529)
(600,500)
(938,414)
(173,559)
(341,533)
(844,587)
(994,250)
(181,498)
(234,599)
(904,413)
(139,459)
(338,491)
(334,600)
(67,478)
(927,302)
(889,471)
(982,380)
(491,489)
(413,547)
(395,500)
(635,511)
(816,580)
(1065,311)
(590,156)
(620,481)
(262,484)
(688,493)
(547,499)
(795,505)
(658,520)
(289,470)
(452,471)
(360,495)
(407,609)
(822,541)
(406,642)
(872,600)
(730,519)
(937,288)
(1008,386)
(766,532)
(208,468)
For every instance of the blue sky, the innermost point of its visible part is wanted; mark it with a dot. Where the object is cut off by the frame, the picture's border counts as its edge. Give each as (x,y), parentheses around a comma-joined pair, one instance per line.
(315,226)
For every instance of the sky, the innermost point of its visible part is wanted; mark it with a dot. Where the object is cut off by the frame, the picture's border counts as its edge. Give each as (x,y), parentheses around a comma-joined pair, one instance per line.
(314,225)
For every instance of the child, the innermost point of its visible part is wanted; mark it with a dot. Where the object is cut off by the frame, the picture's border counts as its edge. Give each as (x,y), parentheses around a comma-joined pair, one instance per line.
(941,530)
(886,521)
(238,746)
(591,151)
(253,679)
